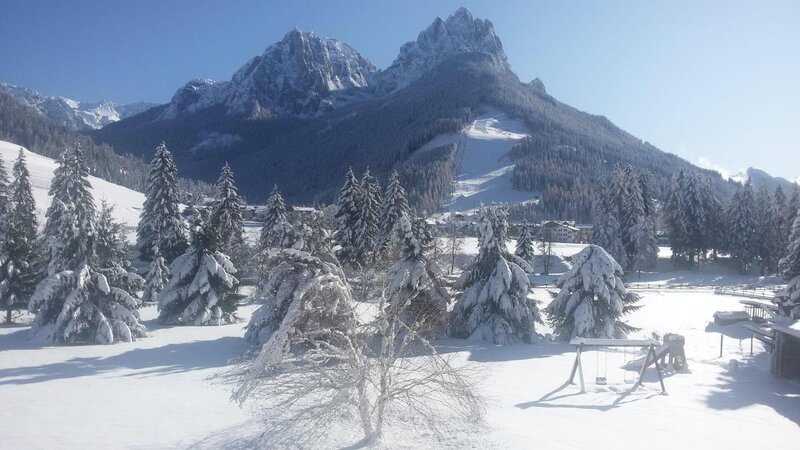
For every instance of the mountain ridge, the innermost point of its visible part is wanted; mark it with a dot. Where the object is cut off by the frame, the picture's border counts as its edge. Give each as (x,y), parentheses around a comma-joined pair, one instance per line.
(71,113)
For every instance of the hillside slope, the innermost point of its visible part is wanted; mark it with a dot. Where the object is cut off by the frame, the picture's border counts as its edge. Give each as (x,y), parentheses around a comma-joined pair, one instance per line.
(127,203)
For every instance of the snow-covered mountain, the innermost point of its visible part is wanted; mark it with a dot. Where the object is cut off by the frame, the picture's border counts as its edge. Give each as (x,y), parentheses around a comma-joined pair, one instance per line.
(297,76)
(460,33)
(759,178)
(72,113)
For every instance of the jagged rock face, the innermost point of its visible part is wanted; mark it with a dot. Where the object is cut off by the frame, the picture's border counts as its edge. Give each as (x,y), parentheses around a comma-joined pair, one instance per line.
(297,76)
(443,39)
(71,113)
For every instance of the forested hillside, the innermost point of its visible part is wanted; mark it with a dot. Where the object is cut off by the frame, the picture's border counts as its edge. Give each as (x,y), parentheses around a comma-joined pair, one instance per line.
(24,126)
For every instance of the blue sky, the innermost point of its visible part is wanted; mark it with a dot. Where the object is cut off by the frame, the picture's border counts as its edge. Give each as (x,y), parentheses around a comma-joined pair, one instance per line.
(717,82)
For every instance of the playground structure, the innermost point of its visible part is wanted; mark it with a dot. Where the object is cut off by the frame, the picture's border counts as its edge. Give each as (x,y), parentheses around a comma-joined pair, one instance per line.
(655,352)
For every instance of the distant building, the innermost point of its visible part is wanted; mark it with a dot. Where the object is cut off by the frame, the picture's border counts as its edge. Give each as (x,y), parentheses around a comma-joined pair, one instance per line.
(559,231)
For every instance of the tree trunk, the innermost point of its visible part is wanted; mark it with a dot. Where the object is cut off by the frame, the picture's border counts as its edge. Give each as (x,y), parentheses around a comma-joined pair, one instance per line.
(8,315)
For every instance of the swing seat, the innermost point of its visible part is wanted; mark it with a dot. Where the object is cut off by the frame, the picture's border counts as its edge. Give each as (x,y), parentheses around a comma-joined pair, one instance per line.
(601,381)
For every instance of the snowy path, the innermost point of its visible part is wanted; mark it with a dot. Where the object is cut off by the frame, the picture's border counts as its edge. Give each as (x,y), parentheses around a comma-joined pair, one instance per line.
(128,203)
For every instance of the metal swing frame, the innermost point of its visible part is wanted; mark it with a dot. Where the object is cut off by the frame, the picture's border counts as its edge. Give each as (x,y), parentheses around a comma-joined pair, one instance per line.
(654,351)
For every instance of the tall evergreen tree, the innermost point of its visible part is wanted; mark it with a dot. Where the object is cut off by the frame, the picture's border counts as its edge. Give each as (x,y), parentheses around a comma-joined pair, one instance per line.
(78,302)
(674,219)
(70,228)
(274,220)
(161,214)
(639,235)
(743,227)
(395,205)
(367,231)
(769,231)
(791,210)
(347,219)
(201,287)
(111,245)
(227,219)
(157,274)
(592,299)
(19,275)
(606,231)
(495,305)
(524,248)
(788,301)
(6,262)
(416,282)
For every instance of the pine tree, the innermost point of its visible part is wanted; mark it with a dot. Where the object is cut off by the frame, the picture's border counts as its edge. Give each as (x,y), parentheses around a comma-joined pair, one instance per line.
(674,210)
(157,274)
(111,245)
(161,212)
(639,235)
(743,227)
(201,285)
(592,299)
(6,262)
(788,301)
(416,282)
(227,219)
(274,222)
(395,205)
(524,248)
(77,302)
(347,218)
(769,231)
(791,210)
(70,227)
(19,274)
(606,230)
(301,292)
(367,231)
(495,304)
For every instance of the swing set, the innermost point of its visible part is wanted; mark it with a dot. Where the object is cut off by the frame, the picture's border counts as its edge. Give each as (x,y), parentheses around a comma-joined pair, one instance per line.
(655,351)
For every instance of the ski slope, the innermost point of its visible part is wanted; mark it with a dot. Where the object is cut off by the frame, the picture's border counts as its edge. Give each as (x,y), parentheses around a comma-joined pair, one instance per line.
(127,202)
(483,168)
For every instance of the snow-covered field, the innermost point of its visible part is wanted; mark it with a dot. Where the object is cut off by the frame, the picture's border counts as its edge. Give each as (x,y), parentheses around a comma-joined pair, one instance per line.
(160,392)
(127,202)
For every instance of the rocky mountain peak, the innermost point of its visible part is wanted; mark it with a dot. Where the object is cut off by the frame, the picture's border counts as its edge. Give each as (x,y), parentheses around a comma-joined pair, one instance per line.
(459,33)
(296,76)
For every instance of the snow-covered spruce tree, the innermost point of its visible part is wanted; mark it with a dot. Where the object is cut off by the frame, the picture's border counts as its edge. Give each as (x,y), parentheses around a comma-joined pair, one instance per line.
(311,235)
(674,219)
(416,282)
(789,300)
(80,302)
(274,221)
(157,274)
(19,275)
(791,210)
(111,245)
(593,299)
(161,213)
(395,205)
(347,218)
(743,227)
(606,232)
(524,248)
(311,289)
(6,262)
(367,231)
(226,218)
(201,287)
(769,232)
(642,247)
(495,305)
(70,227)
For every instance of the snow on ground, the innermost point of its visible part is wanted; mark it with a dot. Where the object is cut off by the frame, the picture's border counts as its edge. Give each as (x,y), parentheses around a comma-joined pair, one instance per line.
(128,203)
(160,392)
(483,167)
